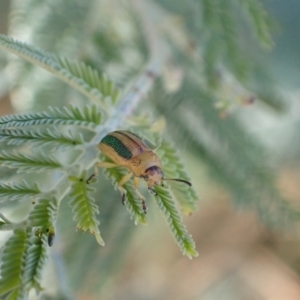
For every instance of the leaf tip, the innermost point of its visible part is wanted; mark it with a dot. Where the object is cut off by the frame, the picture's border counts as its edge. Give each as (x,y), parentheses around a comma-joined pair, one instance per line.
(99,239)
(191,253)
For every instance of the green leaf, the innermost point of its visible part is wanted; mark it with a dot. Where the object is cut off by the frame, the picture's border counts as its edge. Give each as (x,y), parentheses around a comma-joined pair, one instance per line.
(88,116)
(18,191)
(174,220)
(229,34)
(210,12)
(84,207)
(260,20)
(16,294)
(43,216)
(35,261)
(132,202)
(174,168)
(92,77)
(40,137)
(23,258)
(12,259)
(38,162)
(78,75)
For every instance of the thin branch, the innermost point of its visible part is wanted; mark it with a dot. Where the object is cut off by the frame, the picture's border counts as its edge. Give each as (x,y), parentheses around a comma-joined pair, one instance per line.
(159,53)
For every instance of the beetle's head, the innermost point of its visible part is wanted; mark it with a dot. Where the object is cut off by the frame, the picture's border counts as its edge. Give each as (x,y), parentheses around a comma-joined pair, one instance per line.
(155,176)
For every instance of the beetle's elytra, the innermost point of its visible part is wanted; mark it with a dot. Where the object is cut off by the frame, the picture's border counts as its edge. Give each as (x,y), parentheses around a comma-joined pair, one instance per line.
(128,150)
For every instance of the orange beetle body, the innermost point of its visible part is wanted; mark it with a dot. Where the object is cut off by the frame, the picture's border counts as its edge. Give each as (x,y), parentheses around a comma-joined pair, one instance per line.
(128,150)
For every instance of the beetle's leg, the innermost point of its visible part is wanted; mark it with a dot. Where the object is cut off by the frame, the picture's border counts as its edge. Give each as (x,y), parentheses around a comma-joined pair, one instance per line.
(136,182)
(152,190)
(121,189)
(106,165)
(101,164)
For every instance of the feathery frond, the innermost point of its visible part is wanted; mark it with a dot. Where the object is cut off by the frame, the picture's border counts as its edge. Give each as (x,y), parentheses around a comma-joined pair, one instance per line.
(36,258)
(260,20)
(174,168)
(84,207)
(132,202)
(174,220)
(43,216)
(12,258)
(90,75)
(229,39)
(210,12)
(14,191)
(78,75)
(22,259)
(40,137)
(37,162)
(88,116)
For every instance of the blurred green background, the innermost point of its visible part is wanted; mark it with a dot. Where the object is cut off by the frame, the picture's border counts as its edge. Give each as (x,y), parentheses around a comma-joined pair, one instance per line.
(243,158)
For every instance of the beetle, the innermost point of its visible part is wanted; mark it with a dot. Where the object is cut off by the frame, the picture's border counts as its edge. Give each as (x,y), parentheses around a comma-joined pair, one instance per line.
(128,150)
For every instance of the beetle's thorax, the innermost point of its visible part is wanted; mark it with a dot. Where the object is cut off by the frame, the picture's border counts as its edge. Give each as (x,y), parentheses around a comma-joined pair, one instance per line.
(153,176)
(142,162)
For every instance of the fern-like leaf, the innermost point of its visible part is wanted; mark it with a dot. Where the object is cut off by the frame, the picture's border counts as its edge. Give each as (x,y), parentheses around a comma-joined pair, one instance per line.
(16,294)
(78,75)
(40,137)
(229,34)
(210,11)
(25,254)
(38,162)
(133,203)
(88,116)
(23,257)
(92,77)
(174,168)
(35,260)
(12,261)
(260,20)
(18,191)
(43,216)
(174,220)
(84,207)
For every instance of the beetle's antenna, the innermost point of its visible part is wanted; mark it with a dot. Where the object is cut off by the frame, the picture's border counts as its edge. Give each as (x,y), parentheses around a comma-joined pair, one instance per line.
(180,180)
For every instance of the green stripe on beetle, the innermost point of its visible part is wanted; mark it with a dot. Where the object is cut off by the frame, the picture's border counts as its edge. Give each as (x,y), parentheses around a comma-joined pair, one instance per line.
(117,145)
